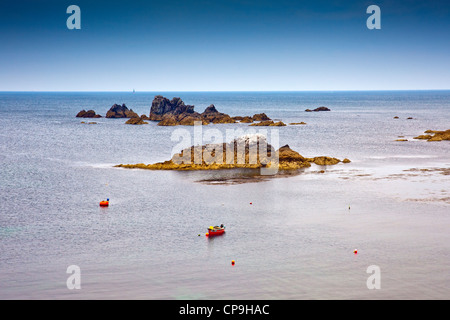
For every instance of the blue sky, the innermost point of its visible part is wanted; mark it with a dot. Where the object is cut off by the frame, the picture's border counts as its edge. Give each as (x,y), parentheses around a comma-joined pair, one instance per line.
(224,45)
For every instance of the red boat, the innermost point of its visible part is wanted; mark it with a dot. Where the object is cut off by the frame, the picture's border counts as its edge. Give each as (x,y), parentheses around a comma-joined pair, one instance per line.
(215,231)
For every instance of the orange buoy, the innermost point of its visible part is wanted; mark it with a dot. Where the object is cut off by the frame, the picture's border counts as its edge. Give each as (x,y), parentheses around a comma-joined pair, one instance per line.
(207,234)
(104,203)
(251,202)
(232,262)
(355,251)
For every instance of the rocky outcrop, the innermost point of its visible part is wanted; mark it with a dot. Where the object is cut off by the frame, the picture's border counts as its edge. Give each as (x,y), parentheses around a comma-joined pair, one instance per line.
(318,109)
(162,106)
(175,112)
(324,161)
(269,123)
(211,115)
(121,111)
(435,135)
(251,151)
(246,120)
(297,123)
(88,114)
(260,117)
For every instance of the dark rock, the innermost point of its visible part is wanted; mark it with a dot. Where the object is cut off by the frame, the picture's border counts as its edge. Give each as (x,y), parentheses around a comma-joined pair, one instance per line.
(260,117)
(318,109)
(88,114)
(269,123)
(121,111)
(162,106)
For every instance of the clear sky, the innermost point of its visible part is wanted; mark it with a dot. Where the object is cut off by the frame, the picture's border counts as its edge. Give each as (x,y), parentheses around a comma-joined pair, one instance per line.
(224,45)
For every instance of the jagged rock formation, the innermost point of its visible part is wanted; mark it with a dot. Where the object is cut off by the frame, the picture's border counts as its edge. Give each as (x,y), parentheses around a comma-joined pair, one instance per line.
(175,112)
(318,109)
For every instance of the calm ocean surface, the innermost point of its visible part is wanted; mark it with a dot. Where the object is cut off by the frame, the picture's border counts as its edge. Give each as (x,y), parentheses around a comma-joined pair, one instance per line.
(296,239)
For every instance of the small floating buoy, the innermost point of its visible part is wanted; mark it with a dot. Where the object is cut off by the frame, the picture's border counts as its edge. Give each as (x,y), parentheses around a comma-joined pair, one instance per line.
(207,234)
(104,203)
(232,262)
(199,234)
(251,202)
(355,251)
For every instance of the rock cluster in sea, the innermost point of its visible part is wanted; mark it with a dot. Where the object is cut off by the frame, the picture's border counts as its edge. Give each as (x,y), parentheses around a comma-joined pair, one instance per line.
(121,111)
(250,151)
(175,112)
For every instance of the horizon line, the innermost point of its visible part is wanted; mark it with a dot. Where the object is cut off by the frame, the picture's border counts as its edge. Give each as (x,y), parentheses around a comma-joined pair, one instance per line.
(197,91)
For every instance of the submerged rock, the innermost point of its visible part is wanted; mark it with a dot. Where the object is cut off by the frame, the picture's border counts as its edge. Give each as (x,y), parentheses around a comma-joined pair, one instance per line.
(269,123)
(297,123)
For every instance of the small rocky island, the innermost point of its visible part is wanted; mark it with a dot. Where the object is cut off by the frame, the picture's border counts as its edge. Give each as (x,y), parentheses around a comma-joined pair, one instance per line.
(250,152)
(121,111)
(175,112)
(318,109)
(88,114)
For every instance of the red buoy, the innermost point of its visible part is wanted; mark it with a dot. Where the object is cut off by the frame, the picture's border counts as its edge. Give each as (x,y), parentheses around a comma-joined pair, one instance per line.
(104,203)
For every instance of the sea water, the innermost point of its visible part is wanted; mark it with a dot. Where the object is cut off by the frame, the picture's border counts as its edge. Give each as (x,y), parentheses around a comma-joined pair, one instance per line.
(294,241)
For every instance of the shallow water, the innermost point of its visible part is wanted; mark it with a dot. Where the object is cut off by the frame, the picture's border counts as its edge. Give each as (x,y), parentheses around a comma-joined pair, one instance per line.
(296,239)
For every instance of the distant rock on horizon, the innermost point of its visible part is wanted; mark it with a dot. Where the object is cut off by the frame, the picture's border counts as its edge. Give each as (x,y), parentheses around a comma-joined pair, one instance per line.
(318,109)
